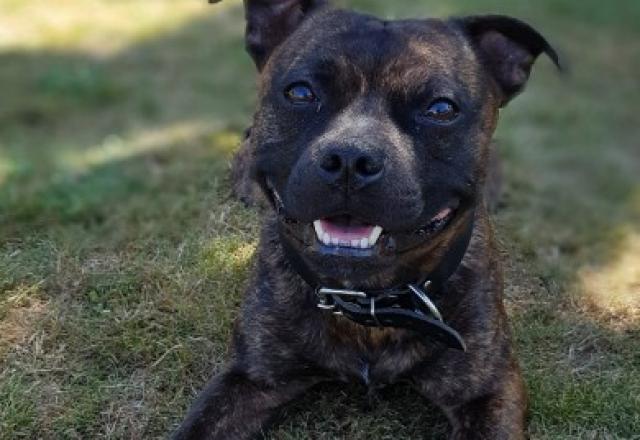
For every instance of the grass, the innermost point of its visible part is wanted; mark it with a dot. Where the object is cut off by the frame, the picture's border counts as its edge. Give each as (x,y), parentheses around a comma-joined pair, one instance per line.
(123,259)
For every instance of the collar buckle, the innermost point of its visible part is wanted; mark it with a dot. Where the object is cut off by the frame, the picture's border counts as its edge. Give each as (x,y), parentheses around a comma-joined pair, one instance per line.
(324,291)
(416,311)
(325,297)
(372,312)
(424,298)
(326,300)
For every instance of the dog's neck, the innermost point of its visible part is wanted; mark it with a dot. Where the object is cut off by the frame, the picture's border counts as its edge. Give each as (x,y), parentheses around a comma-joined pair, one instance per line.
(405,306)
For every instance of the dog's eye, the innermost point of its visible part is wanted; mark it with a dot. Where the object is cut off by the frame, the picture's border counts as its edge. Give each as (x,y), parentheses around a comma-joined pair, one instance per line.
(300,93)
(441,110)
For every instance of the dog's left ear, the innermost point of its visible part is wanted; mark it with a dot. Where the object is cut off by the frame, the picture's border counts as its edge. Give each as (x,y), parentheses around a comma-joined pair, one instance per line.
(270,22)
(508,47)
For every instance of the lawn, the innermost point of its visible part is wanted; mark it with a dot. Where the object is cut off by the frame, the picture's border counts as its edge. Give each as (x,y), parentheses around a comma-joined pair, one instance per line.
(123,257)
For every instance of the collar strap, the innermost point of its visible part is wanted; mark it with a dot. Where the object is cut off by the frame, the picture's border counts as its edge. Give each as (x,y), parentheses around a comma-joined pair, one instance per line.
(408,306)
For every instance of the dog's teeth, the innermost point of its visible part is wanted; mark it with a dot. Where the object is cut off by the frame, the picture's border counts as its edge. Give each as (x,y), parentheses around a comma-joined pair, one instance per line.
(375,234)
(363,243)
(317,225)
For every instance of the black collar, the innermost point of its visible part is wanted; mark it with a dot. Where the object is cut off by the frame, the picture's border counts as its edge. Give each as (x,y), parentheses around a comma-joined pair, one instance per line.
(408,306)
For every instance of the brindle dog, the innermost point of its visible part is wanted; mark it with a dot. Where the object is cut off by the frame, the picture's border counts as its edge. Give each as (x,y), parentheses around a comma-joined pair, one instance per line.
(371,147)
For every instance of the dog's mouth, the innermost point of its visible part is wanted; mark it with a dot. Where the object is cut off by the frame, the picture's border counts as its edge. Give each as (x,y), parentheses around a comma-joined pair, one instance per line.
(346,234)
(345,231)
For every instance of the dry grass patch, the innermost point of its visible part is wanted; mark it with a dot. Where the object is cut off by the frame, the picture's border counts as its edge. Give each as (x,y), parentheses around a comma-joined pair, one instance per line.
(20,309)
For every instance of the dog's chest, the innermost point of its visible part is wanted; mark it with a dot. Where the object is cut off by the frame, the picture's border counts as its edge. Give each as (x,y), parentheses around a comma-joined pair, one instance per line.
(373,356)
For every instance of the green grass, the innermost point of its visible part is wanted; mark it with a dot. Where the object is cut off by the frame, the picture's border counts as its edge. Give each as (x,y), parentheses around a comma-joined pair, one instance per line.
(123,259)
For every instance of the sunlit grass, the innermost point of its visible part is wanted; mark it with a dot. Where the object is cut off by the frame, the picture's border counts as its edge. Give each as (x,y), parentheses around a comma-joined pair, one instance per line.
(615,286)
(96,26)
(226,141)
(119,147)
(6,168)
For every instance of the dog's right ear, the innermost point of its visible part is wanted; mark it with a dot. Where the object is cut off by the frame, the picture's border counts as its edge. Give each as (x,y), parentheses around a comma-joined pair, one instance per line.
(508,47)
(270,22)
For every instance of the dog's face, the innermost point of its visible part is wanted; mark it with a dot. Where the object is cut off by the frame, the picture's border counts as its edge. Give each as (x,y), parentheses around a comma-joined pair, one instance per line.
(371,136)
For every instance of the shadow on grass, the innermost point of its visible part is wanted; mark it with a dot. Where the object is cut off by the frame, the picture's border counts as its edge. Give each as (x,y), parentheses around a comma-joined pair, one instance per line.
(62,109)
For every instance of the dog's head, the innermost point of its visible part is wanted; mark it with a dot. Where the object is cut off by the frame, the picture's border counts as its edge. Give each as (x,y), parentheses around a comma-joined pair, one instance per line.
(371,136)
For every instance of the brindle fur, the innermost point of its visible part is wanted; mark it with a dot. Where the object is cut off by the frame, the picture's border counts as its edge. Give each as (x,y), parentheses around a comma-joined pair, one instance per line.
(282,344)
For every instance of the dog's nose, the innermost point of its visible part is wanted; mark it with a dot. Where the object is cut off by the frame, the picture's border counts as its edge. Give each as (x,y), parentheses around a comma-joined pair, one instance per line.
(350,167)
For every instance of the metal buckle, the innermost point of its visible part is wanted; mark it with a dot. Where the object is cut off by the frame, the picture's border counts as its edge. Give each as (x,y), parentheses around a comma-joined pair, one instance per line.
(324,306)
(426,300)
(324,292)
(372,312)
(346,292)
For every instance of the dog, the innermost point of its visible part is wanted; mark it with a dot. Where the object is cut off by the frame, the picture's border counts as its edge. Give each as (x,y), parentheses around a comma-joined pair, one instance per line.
(370,150)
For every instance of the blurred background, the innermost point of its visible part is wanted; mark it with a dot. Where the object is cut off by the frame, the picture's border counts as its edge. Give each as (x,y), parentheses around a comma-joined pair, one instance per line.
(123,259)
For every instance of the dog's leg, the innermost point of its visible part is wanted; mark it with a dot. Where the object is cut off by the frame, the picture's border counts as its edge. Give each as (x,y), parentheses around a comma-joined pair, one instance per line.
(480,404)
(496,415)
(234,407)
